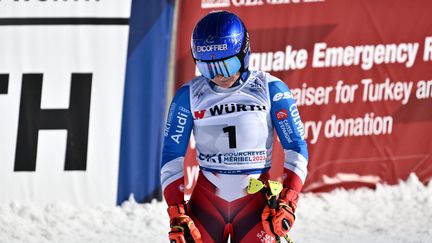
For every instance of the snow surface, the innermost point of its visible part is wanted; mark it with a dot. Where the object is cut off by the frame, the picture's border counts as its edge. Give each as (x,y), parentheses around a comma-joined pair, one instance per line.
(401,213)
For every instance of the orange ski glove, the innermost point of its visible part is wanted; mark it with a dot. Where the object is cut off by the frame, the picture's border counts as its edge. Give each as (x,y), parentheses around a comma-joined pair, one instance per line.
(279,219)
(183,229)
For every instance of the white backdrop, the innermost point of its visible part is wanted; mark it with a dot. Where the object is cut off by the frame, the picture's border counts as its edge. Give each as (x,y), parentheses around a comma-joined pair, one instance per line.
(57,51)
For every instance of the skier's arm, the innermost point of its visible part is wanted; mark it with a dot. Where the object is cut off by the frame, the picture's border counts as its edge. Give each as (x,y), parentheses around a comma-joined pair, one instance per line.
(290,131)
(176,139)
(289,128)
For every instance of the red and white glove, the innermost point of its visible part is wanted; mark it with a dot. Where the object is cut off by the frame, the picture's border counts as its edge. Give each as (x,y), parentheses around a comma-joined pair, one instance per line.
(279,220)
(183,229)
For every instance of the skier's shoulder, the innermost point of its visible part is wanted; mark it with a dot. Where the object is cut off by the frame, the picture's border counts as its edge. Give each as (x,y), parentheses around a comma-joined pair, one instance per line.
(274,83)
(196,81)
(264,77)
(191,84)
(184,92)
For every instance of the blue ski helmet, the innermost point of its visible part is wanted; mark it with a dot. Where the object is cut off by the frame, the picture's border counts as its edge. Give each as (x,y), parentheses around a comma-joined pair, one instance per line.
(220,45)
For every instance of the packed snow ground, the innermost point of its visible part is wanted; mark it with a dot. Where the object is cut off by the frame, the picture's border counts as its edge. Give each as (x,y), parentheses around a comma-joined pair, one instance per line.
(389,214)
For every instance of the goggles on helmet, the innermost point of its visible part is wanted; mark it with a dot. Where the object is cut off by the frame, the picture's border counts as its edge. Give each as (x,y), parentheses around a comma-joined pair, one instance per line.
(226,67)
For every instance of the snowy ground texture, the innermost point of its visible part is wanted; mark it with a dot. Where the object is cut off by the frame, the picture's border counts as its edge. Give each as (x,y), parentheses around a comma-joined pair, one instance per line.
(389,214)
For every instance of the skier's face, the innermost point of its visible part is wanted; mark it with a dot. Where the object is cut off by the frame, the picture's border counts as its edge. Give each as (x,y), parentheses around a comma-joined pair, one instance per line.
(226,82)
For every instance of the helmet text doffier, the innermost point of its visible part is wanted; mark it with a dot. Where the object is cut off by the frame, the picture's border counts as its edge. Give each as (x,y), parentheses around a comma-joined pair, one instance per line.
(220,47)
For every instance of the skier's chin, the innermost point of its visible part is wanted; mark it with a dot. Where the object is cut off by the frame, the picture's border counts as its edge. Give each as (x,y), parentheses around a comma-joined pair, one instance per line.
(225,82)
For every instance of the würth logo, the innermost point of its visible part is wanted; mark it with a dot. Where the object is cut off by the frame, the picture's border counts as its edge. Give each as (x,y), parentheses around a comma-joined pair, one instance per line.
(199,114)
(32,119)
(228,108)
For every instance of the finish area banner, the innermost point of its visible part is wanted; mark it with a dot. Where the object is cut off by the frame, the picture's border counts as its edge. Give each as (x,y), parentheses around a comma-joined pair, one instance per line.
(81,114)
(359,71)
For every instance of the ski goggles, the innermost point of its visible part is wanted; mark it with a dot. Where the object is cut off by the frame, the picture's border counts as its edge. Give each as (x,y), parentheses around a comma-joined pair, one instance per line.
(226,67)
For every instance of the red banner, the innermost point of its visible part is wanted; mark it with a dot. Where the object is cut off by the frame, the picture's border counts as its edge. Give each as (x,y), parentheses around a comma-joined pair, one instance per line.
(360,73)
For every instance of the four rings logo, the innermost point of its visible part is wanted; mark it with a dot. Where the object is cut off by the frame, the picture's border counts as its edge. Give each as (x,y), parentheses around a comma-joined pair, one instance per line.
(240,3)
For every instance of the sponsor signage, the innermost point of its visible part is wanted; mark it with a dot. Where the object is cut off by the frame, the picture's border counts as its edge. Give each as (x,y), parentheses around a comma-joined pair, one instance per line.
(61,94)
(64,8)
(360,79)
(209,4)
